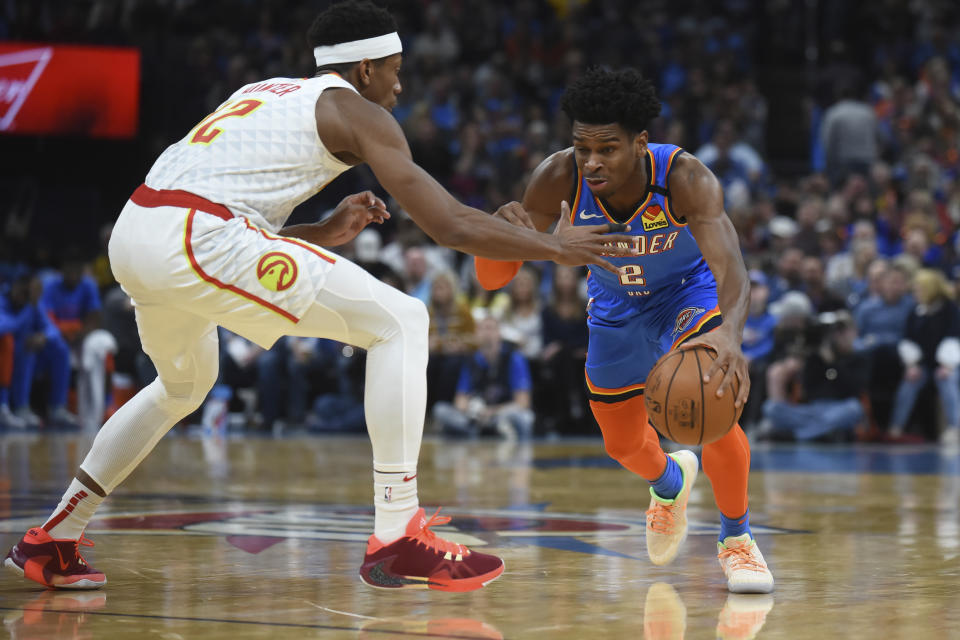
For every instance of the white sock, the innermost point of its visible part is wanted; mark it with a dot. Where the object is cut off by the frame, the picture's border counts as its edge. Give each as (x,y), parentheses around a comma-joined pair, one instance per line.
(394,501)
(73,513)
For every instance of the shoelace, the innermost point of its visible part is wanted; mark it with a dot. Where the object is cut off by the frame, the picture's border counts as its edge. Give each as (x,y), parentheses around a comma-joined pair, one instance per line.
(742,558)
(85,542)
(660,518)
(431,540)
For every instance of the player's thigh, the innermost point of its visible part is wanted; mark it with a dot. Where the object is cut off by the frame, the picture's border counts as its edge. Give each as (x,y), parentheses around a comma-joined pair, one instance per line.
(619,357)
(183,346)
(688,315)
(358,309)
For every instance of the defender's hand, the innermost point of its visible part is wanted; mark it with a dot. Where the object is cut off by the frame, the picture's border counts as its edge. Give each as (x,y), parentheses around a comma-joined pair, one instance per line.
(730,362)
(515,214)
(353,214)
(586,244)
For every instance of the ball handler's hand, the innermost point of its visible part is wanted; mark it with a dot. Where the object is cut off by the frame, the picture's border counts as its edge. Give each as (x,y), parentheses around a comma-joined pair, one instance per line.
(730,362)
(590,243)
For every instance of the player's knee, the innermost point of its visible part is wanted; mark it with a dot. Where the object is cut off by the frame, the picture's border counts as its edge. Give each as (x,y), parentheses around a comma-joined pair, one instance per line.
(182,397)
(415,318)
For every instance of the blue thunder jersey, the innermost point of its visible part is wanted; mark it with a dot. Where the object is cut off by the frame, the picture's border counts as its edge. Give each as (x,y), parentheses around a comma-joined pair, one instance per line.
(660,298)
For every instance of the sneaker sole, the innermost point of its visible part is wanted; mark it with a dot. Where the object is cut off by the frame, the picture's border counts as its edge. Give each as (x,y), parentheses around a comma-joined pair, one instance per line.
(751,587)
(463,585)
(79,585)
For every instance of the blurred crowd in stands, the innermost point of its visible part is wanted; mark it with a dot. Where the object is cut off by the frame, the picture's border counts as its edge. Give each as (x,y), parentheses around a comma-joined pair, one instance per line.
(852,248)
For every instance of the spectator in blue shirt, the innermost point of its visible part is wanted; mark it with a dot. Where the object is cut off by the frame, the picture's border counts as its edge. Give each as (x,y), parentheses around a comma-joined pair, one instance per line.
(758,341)
(494,390)
(881,320)
(72,299)
(38,349)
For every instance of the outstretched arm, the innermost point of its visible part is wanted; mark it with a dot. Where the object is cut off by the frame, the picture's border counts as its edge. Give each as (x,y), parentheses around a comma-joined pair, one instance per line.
(698,197)
(370,134)
(550,181)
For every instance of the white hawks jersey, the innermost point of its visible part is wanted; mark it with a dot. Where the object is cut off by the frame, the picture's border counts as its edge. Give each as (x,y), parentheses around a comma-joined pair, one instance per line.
(258,154)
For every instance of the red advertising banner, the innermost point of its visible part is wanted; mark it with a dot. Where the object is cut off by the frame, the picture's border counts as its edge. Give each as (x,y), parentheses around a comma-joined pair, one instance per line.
(69,90)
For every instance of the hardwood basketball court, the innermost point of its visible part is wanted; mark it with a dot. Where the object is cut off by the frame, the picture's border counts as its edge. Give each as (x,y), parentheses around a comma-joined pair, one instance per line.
(262,538)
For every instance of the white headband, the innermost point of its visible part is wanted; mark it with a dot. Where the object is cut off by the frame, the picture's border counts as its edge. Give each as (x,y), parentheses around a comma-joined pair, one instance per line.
(355,51)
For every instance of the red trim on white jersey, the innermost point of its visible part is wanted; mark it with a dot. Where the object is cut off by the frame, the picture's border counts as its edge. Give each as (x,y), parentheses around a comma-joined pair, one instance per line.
(147,197)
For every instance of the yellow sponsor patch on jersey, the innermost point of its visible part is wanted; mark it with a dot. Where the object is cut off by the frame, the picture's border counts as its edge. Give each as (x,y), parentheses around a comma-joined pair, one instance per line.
(654,218)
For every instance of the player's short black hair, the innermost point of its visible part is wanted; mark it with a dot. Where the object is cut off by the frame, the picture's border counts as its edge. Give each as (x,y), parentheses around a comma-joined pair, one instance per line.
(601,96)
(349,21)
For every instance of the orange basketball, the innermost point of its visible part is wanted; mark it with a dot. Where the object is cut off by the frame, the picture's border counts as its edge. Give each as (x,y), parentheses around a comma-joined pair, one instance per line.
(680,406)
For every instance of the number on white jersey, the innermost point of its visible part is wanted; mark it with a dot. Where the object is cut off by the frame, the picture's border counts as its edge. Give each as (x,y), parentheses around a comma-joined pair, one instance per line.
(205,132)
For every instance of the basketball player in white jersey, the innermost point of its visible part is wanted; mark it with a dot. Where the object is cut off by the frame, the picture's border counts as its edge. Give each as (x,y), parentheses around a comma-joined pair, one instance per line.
(201,243)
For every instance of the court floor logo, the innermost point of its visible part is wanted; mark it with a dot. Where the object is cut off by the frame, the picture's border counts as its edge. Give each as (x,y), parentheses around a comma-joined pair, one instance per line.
(254,529)
(277,271)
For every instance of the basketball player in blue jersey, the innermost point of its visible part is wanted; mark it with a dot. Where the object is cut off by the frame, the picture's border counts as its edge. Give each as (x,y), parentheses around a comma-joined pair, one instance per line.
(687,285)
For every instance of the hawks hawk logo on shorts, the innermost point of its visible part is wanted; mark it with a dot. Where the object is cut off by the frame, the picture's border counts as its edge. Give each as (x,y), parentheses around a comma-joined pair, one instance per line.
(277,271)
(654,218)
(685,318)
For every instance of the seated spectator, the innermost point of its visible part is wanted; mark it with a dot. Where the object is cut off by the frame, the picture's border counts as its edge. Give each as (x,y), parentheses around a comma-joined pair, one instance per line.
(7,417)
(73,301)
(493,392)
(313,382)
(561,398)
(416,274)
(482,301)
(815,286)
(758,340)
(132,368)
(522,324)
(789,273)
(39,349)
(451,337)
(831,376)
(730,158)
(335,372)
(846,271)
(872,286)
(238,370)
(881,320)
(930,347)
(810,214)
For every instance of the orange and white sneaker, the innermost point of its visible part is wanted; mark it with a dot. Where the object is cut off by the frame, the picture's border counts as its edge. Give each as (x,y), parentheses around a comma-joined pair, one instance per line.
(743,616)
(744,566)
(664,614)
(667,519)
(53,563)
(422,560)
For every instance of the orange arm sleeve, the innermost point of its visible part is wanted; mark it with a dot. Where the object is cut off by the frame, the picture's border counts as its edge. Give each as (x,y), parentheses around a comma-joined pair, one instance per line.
(493,274)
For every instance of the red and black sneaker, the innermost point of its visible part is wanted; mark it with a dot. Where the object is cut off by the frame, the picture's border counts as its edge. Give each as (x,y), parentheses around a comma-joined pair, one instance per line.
(421,560)
(53,563)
